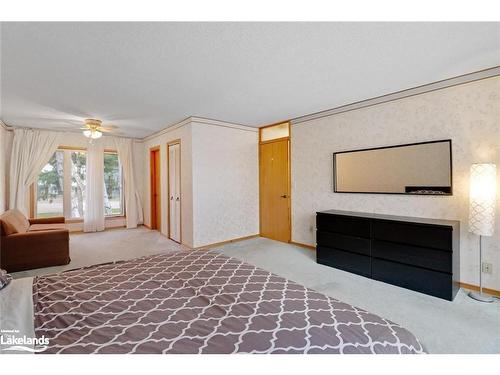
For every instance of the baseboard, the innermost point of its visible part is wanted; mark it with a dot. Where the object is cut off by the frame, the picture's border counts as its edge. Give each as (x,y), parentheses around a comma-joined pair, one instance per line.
(310,247)
(475,288)
(228,241)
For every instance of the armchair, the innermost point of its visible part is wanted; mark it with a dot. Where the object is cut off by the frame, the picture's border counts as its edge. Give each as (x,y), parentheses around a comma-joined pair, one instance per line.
(34,243)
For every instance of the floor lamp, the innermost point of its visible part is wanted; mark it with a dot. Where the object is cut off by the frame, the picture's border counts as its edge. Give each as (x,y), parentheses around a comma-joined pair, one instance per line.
(482,212)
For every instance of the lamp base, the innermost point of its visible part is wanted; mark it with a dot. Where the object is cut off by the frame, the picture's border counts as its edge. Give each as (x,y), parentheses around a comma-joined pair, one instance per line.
(480,297)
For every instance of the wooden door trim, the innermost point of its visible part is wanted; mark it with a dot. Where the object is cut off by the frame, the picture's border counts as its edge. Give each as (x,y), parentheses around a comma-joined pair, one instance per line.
(172,143)
(152,188)
(274,140)
(289,181)
(275,123)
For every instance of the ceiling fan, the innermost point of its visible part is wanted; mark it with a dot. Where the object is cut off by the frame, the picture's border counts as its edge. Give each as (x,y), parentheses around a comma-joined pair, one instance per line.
(93,128)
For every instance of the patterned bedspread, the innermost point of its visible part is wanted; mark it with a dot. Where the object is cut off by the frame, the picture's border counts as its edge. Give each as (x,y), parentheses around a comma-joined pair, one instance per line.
(201,302)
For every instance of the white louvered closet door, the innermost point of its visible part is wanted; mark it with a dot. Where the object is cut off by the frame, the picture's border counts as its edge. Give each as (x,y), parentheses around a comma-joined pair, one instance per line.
(174,180)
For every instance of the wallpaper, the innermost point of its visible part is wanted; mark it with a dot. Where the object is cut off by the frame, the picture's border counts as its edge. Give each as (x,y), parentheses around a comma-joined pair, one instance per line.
(225,183)
(468,114)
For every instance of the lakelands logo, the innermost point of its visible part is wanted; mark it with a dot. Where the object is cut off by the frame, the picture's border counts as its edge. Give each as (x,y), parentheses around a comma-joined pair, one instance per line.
(12,341)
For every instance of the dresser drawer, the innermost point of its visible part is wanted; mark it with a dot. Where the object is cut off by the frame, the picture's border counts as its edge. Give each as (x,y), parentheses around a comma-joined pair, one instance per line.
(437,260)
(414,234)
(352,244)
(351,262)
(434,283)
(351,226)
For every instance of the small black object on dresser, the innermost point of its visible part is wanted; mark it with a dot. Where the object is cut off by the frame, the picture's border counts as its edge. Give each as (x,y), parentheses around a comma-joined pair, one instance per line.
(414,253)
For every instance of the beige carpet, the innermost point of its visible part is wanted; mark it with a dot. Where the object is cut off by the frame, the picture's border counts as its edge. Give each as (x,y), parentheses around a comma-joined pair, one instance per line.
(87,249)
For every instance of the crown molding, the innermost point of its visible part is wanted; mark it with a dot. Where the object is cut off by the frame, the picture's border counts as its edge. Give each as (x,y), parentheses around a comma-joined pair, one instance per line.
(11,128)
(225,124)
(5,126)
(198,120)
(398,95)
(166,130)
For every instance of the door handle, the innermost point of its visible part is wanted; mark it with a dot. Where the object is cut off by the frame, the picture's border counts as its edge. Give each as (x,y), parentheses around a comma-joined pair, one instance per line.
(171,198)
(284,196)
(177,198)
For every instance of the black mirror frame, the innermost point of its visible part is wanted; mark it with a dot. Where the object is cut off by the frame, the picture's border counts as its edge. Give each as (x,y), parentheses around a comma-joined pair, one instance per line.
(394,146)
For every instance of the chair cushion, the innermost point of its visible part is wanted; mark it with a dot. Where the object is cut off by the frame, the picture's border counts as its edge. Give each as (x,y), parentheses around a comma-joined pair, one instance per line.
(39,227)
(13,221)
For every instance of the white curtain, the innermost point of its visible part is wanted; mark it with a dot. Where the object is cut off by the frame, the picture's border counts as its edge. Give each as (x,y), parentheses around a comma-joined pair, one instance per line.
(93,218)
(133,205)
(31,150)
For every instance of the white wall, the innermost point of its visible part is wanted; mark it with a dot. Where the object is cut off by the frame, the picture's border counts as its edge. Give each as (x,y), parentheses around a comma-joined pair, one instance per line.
(468,114)
(225,183)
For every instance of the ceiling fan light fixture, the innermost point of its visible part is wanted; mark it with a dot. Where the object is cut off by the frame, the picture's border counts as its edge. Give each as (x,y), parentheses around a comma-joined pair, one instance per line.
(96,134)
(93,134)
(93,126)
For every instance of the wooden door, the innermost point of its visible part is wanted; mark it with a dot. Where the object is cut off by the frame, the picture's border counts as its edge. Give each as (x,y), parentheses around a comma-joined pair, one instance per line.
(275,190)
(174,191)
(155,185)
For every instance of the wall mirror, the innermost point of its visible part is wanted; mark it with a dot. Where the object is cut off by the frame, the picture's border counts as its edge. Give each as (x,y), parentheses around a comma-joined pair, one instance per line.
(419,168)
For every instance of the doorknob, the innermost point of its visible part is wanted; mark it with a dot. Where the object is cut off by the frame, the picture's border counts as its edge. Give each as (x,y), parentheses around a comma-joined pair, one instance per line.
(284,196)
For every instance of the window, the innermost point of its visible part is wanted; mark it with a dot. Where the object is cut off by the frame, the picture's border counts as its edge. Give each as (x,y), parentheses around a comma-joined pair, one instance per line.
(273,132)
(50,187)
(78,174)
(60,188)
(113,197)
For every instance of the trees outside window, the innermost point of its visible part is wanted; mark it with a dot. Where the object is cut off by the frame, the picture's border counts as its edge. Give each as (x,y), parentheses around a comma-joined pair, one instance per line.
(78,177)
(113,192)
(50,187)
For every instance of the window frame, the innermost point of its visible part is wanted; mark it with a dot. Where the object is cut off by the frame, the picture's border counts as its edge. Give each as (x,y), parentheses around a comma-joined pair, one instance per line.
(67,183)
(67,192)
(274,139)
(122,195)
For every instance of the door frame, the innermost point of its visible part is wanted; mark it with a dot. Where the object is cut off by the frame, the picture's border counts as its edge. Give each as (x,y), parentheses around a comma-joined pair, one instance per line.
(172,143)
(289,139)
(152,182)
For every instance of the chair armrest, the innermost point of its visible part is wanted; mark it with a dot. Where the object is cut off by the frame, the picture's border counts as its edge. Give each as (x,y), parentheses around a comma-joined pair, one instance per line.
(48,220)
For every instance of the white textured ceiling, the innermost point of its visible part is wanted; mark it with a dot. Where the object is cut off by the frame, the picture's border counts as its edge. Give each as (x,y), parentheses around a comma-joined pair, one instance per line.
(143,77)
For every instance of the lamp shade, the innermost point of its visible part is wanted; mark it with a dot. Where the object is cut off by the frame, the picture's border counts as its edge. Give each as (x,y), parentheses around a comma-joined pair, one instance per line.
(482,194)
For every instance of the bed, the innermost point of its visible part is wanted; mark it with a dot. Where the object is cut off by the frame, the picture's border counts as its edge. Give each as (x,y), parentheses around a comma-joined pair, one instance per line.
(194,302)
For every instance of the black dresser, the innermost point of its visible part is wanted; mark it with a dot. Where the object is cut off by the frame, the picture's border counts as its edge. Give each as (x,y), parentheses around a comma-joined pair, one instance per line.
(414,253)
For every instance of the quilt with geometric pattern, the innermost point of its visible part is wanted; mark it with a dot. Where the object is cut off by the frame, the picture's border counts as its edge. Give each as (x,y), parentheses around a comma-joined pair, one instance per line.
(201,302)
